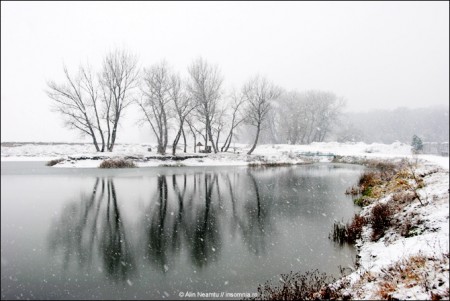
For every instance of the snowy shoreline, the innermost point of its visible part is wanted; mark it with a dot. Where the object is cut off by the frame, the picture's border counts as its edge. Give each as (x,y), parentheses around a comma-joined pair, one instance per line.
(268,153)
(373,278)
(402,267)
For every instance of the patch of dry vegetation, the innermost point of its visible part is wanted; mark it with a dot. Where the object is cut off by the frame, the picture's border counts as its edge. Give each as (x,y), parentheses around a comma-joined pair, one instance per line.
(54,162)
(269,164)
(117,163)
(296,286)
(349,232)
(385,178)
(418,270)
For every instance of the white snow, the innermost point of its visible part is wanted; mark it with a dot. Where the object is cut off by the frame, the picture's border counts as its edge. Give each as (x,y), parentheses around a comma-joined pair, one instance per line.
(433,241)
(284,153)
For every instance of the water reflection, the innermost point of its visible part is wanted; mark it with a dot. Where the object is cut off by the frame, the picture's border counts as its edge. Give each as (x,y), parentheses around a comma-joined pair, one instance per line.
(187,221)
(184,212)
(93,224)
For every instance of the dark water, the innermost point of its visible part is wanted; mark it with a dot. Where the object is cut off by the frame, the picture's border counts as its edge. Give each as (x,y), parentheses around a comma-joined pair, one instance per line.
(153,233)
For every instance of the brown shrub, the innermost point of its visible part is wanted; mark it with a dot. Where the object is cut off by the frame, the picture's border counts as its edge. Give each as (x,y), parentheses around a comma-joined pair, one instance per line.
(380,219)
(350,232)
(369,178)
(54,162)
(386,289)
(297,286)
(354,229)
(117,163)
(403,197)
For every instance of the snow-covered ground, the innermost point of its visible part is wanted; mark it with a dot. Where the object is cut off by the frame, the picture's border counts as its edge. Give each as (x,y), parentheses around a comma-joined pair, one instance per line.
(283,153)
(407,267)
(378,260)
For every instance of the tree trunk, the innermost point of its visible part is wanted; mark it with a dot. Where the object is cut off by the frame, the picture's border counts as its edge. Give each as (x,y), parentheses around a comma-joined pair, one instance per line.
(175,142)
(166,138)
(113,137)
(210,136)
(195,143)
(184,139)
(256,140)
(95,142)
(229,142)
(217,140)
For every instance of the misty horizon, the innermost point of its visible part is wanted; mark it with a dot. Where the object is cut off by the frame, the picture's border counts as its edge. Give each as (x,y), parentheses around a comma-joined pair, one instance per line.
(376,56)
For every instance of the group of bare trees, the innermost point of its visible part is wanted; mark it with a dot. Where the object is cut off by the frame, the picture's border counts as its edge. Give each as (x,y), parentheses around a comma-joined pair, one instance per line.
(93,103)
(302,118)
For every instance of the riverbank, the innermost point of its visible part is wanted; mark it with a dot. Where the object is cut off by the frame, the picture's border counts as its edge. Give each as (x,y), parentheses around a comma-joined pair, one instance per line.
(81,155)
(411,259)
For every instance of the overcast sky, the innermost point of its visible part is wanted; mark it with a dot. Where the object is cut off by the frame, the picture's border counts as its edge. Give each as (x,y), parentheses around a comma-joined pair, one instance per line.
(374,54)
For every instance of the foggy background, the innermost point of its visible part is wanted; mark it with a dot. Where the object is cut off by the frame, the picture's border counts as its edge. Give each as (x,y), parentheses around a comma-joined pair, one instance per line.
(389,61)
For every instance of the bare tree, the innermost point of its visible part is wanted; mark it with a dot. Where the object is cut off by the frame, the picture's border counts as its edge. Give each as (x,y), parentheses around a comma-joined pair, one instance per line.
(291,117)
(218,124)
(183,106)
(119,77)
(236,118)
(204,87)
(258,93)
(330,109)
(190,122)
(156,101)
(77,100)
(306,117)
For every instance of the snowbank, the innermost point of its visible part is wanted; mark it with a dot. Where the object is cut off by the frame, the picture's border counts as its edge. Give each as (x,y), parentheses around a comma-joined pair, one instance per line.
(412,267)
(268,153)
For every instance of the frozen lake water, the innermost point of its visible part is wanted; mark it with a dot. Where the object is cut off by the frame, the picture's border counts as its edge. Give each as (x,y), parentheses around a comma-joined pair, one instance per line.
(152,233)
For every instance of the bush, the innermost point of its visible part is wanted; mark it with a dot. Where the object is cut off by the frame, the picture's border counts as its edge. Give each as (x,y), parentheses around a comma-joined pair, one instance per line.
(368,180)
(350,232)
(54,162)
(361,202)
(296,286)
(117,163)
(354,229)
(403,197)
(380,219)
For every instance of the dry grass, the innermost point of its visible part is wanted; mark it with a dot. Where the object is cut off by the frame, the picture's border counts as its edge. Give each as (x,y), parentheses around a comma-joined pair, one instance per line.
(403,197)
(54,162)
(387,178)
(386,289)
(269,164)
(311,285)
(117,163)
(412,272)
(350,232)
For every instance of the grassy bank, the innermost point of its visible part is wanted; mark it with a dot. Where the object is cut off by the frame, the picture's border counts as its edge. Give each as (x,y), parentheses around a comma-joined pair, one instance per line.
(401,235)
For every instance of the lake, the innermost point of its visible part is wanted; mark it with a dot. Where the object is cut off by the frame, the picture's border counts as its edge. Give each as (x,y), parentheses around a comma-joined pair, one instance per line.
(152,233)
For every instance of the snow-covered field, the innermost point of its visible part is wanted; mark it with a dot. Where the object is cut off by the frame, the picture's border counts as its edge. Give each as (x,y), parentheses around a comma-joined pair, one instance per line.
(236,156)
(378,260)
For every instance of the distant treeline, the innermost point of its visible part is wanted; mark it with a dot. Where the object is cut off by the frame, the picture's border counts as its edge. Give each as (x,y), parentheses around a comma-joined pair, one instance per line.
(386,126)
(377,126)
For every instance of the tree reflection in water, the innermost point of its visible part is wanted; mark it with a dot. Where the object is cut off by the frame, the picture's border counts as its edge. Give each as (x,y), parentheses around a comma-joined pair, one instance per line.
(92,224)
(187,212)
